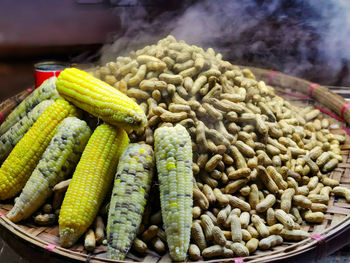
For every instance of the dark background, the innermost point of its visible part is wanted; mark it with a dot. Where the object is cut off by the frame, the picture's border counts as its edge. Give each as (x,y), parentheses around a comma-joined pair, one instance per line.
(33,31)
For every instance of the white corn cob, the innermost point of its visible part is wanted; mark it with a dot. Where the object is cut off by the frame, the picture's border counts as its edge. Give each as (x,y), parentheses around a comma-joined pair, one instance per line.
(173,151)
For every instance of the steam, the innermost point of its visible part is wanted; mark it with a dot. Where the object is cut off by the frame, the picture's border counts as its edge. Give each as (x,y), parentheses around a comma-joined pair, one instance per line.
(334,29)
(306,38)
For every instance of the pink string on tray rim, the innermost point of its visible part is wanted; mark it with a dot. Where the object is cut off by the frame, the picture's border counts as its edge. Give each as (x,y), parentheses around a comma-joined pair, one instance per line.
(238,260)
(318,238)
(312,87)
(297,95)
(334,116)
(346,130)
(321,248)
(50,247)
(271,75)
(345,106)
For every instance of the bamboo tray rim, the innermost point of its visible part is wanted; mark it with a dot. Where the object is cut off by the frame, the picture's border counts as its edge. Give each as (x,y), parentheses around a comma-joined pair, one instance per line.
(304,244)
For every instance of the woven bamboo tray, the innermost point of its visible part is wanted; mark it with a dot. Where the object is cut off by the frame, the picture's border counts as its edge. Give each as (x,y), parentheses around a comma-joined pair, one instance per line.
(41,244)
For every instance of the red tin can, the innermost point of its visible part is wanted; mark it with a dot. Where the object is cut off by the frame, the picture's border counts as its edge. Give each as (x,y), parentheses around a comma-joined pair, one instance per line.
(48,69)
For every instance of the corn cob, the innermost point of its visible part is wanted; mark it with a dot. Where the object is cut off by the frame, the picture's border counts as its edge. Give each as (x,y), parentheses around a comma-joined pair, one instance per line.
(21,162)
(57,162)
(10,138)
(91,181)
(100,99)
(173,151)
(131,187)
(46,91)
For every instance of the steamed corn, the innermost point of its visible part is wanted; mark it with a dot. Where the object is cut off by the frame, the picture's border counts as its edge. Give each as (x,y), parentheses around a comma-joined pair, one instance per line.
(46,91)
(131,187)
(100,99)
(21,162)
(173,151)
(91,181)
(10,138)
(57,162)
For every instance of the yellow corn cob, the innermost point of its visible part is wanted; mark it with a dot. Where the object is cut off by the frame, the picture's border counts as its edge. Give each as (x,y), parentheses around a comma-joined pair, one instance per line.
(173,151)
(21,162)
(57,162)
(130,191)
(100,99)
(46,91)
(10,138)
(91,181)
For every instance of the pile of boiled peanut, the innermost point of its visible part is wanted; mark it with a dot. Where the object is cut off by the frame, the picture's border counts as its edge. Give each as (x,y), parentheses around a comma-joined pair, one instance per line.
(260,164)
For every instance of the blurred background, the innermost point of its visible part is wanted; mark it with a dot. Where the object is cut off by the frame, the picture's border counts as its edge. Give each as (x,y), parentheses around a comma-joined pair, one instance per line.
(305,38)
(34,31)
